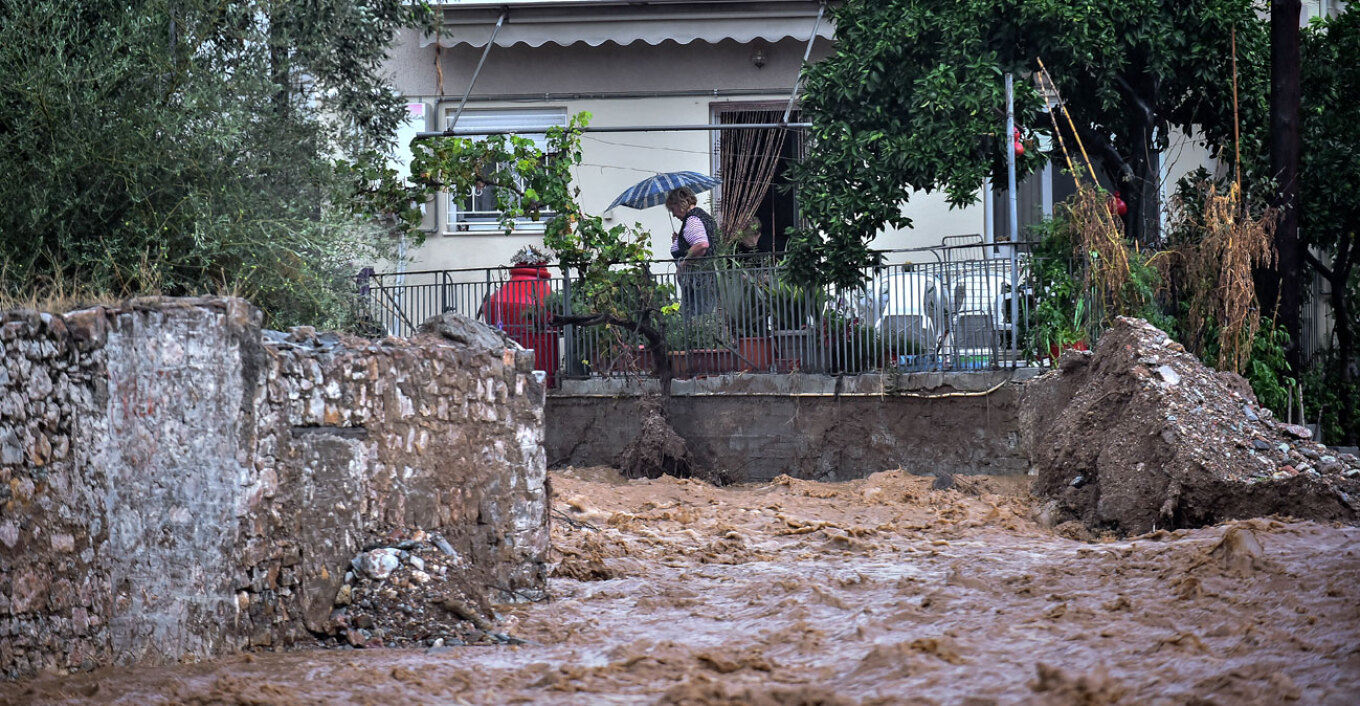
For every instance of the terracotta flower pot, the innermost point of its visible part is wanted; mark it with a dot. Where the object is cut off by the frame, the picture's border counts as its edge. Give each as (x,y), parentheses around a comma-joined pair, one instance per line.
(1054,350)
(756,352)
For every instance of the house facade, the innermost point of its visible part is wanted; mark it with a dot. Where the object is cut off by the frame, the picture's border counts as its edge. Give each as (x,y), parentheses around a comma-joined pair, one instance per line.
(645,69)
(639,67)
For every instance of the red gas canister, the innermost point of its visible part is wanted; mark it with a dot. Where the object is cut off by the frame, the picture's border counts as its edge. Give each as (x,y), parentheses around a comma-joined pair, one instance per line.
(516,308)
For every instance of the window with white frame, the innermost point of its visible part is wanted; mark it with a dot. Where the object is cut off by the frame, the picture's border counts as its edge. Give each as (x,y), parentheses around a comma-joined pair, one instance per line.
(476,211)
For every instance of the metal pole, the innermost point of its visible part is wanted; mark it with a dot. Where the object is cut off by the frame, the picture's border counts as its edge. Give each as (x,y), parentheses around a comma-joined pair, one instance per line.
(568,365)
(478,72)
(1013,215)
(806,54)
(444,296)
(622,128)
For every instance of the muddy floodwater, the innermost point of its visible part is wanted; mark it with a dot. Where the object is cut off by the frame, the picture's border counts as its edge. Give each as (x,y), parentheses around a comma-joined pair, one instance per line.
(881,590)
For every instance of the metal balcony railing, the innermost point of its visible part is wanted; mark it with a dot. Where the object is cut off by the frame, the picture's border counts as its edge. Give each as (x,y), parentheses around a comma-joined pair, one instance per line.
(745,314)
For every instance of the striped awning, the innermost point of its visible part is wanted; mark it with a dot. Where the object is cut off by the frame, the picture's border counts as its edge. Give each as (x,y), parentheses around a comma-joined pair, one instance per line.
(595,22)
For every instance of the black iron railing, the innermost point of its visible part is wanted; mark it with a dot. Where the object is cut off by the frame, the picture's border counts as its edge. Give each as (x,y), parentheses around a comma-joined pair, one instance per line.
(746,314)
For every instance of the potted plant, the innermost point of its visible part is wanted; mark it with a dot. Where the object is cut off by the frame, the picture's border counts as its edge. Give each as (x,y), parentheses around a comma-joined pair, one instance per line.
(698,345)
(1059,322)
(1060,318)
(794,312)
(849,344)
(747,313)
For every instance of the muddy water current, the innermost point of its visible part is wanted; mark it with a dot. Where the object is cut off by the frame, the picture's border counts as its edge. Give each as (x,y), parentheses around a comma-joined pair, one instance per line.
(874,591)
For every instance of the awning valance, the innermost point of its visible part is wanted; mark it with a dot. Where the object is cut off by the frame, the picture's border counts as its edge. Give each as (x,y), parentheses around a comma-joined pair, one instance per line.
(594,23)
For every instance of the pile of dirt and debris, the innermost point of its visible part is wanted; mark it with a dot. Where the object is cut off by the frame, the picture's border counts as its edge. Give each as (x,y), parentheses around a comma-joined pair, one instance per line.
(1140,435)
(409,592)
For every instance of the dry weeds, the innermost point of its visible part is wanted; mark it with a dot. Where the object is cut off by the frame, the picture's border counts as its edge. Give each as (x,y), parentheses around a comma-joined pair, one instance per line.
(1215,272)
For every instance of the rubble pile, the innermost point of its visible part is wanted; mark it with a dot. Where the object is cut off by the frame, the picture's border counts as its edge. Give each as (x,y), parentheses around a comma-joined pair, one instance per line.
(411,592)
(1140,435)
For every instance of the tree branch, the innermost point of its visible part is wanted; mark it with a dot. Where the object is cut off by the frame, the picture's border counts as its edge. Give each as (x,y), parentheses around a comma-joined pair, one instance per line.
(512,186)
(1113,162)
(1317,264)
(1132,94)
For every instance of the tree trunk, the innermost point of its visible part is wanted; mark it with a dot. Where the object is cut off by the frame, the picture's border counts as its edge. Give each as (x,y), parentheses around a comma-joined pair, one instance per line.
(1143,221)
(1284,165)
(1338,277)
(1345,343)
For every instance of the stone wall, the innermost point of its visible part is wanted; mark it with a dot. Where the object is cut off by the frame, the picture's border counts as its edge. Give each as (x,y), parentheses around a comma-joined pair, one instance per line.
(174,482)
(815,427)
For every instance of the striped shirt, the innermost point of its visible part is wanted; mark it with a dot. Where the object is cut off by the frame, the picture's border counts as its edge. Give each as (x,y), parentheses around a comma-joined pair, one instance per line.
(693,232)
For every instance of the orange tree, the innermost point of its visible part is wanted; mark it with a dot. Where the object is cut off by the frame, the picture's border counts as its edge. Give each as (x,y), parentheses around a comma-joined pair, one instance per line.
(912,100)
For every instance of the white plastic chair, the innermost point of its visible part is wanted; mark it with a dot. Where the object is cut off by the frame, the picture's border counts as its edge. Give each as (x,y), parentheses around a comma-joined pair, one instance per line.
(909,309)
(981,317)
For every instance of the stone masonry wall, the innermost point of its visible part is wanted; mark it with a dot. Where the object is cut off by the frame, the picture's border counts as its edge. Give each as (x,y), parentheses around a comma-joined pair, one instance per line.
(175,483)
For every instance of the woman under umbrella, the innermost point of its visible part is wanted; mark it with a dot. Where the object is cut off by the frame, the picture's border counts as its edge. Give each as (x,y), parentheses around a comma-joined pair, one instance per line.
(691,246)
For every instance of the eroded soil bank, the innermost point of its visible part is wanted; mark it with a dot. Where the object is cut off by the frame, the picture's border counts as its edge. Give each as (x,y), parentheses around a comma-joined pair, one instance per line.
(879,590)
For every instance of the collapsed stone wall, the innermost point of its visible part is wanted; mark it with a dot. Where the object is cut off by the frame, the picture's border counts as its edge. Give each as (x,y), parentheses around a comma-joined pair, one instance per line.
(175,483)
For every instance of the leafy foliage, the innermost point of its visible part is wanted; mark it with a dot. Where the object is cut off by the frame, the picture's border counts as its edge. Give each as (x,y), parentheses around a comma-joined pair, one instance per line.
(613,286)
(913,99)
(1267,370)
(1061,315)
(1329,213)
(1333,399)
(700,332)
(189,146)
(1330,168)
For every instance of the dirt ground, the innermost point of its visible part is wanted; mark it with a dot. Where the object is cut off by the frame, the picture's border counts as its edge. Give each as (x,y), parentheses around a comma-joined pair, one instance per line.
(881,590)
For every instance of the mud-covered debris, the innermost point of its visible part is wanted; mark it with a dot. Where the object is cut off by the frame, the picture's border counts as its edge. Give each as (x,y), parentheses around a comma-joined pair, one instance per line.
(413,591)
(657,450)
(1145,436)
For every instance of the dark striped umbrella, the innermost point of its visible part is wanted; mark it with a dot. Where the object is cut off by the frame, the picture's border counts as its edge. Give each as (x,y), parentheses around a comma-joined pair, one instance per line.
(652,190)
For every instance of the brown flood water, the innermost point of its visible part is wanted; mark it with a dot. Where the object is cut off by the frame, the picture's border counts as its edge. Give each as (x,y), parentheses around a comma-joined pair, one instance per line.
(873,591)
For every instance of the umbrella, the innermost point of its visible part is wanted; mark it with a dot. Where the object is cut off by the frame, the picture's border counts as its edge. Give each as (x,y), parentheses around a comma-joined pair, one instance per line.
(652,190)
